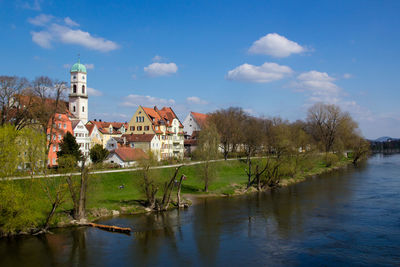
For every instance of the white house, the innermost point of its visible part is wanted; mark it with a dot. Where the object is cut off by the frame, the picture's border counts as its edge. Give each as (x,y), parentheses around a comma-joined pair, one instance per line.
(194,121)
(126,156)
(81,134)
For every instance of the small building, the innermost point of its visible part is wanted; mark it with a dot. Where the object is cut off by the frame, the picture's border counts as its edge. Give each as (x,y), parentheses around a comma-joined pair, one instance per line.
(147,142)
(108,130)
(126,156)
(81,134)
(194,121)
(94,135)
(114,143)
(190,143)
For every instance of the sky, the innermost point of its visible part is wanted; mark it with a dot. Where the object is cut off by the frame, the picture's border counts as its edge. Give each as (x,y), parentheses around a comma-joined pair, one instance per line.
(272,58)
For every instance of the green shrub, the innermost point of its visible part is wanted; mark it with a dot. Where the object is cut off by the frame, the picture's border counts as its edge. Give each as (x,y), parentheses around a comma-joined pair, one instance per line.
(330,159)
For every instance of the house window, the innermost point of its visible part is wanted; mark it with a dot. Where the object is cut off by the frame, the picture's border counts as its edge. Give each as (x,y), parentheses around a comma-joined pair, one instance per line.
(59,116)
(83,109)
(54,148)
(132,128)
(139,128)
(146,128)
(74,89)
(74,109)
(59,137)
(83,89)
(54,161)
(65,126)
(142,119)
(59,125)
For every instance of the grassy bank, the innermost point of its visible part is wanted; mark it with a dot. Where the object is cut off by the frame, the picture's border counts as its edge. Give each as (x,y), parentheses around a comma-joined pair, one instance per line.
(122,191)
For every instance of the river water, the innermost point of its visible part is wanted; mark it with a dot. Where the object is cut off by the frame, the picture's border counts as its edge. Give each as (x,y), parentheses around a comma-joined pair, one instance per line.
(351,217)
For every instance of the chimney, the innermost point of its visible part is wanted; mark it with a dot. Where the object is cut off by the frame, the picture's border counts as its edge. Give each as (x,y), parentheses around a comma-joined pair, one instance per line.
(100,120)
(95,119)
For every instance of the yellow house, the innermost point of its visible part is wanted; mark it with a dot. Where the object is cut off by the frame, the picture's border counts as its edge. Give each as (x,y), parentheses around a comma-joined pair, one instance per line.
(108,130)
(162,122)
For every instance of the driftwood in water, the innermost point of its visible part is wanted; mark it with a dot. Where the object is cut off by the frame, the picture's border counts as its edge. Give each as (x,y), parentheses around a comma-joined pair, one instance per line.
(125,230)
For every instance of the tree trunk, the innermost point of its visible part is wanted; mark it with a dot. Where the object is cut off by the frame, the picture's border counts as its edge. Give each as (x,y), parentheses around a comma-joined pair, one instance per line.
(73,196)
(168,190)
(178,194)
(206,176)
(50,215)
(82,191)
(258,179)
(249,172)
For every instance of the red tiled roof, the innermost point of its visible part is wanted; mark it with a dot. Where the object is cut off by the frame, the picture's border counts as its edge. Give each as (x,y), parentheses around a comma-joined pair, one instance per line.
(90,128)
(191,142)
(103,126)
(138,137)
(200,118)
(130,154)
(161,116)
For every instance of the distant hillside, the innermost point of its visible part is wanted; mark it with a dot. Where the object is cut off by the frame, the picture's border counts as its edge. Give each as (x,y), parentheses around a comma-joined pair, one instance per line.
(385,139)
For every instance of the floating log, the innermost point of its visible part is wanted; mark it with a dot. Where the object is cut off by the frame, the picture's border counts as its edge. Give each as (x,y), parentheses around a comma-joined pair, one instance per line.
(110,228)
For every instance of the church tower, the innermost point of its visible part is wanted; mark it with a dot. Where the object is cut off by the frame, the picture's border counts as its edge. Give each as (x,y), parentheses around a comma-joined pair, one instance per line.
(78,97)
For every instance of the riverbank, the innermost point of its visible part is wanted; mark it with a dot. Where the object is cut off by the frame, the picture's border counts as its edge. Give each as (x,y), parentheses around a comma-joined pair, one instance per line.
(113,194)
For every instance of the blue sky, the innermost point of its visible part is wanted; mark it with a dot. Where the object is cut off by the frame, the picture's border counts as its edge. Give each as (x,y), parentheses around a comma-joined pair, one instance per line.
(273,58)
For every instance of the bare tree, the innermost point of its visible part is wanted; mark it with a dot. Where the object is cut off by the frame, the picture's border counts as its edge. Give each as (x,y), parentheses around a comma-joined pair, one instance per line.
(328,124)
(15,101)
(207,150)
(50,100)
(228,123)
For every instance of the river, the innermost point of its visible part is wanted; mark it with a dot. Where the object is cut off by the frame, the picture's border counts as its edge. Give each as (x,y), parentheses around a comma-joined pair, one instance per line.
(351,217)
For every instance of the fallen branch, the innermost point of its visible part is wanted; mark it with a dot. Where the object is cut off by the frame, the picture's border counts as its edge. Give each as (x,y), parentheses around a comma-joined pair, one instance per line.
(110,228)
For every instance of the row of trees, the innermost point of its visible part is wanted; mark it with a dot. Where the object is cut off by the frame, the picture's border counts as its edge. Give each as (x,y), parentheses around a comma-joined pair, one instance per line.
(281,145)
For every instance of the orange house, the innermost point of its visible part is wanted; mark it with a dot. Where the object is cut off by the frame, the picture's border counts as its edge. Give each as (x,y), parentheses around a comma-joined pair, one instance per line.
(62,125)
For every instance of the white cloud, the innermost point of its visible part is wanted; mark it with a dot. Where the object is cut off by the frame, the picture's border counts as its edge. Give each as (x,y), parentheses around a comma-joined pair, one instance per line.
(347,76)
(157,58)
(275,45)
(94,92)
(320,85)
(70,22)
(161,69)
(64,34)
(42,38)
(265,73)
(89,66)
(33,6)
(196,100)
(41,20)
(136,100)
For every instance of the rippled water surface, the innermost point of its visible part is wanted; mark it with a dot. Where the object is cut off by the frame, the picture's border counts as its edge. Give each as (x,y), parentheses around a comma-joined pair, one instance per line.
(351,217)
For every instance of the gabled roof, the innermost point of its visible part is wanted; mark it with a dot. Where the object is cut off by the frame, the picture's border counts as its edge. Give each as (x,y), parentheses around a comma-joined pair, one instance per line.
(130,154)
(103,126)
(163,116)
(138,137)
(200,118)
(90,128)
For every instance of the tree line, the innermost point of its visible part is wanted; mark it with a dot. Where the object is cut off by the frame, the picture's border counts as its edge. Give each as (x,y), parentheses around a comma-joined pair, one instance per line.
(280,145)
